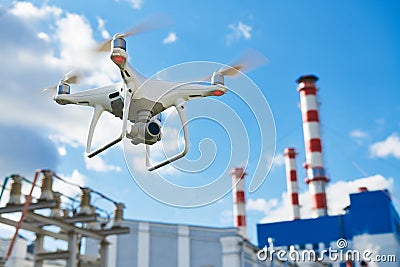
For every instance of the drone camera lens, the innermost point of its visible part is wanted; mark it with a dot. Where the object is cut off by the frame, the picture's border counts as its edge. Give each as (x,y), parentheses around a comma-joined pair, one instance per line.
(153,128)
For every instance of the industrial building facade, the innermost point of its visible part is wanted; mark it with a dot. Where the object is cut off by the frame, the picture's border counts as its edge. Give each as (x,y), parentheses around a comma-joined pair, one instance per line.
(155,244)
(370,226)
(370,223)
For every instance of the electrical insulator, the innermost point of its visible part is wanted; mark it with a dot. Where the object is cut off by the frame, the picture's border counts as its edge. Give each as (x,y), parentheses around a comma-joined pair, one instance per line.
(85,208)
(15,194)
(118,214)
(65,213)
(47,186)
(55,211)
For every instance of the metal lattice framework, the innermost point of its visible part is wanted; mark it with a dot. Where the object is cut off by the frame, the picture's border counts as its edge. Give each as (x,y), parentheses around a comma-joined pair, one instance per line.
(71,226)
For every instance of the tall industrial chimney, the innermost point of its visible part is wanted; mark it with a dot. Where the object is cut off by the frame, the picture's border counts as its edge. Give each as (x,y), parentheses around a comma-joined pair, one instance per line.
(291,180)
(239,200)
(316,178)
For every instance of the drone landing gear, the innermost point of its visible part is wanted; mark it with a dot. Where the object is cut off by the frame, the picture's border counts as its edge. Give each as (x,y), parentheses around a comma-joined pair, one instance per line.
(182,115)
(98,151)
(98,110)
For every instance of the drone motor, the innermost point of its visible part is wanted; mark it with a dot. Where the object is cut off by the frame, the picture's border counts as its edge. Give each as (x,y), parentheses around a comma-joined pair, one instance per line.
(217,78)
(118,54)
(119,42)
(63,89)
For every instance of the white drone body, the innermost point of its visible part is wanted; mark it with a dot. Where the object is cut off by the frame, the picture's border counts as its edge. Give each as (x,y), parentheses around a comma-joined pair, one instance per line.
(140,100)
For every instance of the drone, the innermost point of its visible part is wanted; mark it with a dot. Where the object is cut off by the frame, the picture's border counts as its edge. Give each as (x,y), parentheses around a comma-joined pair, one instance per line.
(140,100)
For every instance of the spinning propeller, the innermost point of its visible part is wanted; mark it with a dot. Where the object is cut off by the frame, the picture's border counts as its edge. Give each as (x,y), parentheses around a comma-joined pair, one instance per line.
(249,60)
(69,78)
(151,23)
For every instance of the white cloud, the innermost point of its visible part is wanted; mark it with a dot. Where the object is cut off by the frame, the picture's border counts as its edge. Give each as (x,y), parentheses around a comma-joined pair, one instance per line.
(62,151)
(98,164)
(261,204)
(136,4)
(60,139)
(101,27)
(337,197)
(243,29)
(358,134)
(388,147)
(44,36)
(138,162)
(27,10)
(171,38)
(338,193)
(238,32)
(68,50)
(279,160)
(274,161)
(61,143)
(75,36)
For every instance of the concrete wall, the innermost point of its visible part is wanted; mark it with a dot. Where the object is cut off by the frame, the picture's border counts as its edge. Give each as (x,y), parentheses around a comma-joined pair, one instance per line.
(152,244)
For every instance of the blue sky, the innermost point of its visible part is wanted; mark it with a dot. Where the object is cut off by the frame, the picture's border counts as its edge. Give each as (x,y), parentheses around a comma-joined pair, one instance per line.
(353,46)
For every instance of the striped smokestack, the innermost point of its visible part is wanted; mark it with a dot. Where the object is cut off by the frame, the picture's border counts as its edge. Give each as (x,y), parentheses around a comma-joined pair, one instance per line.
(239,200)
(291,180)
(316,178)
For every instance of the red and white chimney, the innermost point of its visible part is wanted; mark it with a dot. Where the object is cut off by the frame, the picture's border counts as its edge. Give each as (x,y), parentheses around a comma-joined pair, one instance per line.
(291,181)
(239,200)
(316,177)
